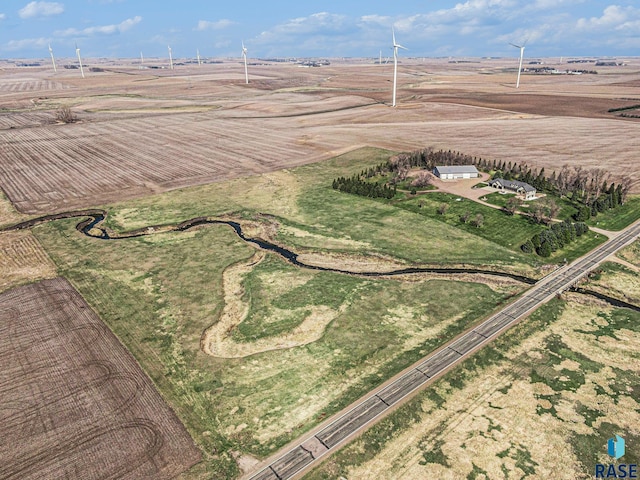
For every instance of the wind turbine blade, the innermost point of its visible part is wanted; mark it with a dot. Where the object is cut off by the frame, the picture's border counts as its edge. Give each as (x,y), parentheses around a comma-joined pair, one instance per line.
(400,46)
(513,44)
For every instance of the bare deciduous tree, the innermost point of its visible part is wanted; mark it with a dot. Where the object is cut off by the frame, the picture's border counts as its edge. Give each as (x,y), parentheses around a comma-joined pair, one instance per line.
(422,180)
(65,115)
(537,211)
(512,204)
(552,209)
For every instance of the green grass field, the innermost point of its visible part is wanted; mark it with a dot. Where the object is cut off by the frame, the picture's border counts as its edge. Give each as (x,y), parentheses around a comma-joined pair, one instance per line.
(318,218)
(508,231)
(160,293)
(498,199)
(618,218)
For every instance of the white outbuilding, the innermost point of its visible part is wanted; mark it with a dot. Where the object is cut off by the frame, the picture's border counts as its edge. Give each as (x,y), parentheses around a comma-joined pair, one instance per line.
(456,171)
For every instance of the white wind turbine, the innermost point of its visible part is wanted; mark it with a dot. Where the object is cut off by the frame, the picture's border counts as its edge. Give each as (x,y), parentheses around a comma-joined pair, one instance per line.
(53,60)
(170,58)
(521,47)
(396,46)
(79,60)
(198,56)
(244,55)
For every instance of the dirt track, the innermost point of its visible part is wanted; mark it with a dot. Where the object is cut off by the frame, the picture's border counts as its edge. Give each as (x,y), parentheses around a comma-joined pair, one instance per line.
(75,403)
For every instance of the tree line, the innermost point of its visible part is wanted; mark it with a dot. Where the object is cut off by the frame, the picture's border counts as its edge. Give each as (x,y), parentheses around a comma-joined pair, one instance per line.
(586,187)
(591,190)
(554,238)
(358,186)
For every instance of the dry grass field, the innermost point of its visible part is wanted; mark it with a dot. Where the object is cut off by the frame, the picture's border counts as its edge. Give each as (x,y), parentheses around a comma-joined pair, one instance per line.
(22,260)
(539,403)
(144,131)
(75,404)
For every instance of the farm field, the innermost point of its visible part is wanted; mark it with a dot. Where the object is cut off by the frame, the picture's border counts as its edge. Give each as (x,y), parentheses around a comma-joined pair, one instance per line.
(74,400)
(569,373)
(142,132)
(251,351)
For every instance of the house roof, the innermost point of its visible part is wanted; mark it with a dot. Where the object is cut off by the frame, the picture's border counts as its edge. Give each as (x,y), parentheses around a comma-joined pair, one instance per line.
(457,169)
(513,184)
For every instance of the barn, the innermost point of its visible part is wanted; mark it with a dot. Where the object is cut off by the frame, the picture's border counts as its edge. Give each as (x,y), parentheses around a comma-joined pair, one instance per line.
(456,171)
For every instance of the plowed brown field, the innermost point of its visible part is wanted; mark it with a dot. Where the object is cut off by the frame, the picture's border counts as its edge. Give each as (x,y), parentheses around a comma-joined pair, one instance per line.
(145,131)
(75,404)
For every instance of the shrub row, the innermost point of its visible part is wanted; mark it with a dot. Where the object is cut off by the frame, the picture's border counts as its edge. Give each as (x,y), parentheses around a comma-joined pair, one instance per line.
(554,238)
(358,186)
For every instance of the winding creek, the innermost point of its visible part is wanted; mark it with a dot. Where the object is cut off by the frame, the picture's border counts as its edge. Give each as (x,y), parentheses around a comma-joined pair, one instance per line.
(91,227)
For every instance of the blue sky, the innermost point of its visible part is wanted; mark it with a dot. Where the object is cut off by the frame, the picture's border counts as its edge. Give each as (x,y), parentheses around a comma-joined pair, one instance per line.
(123,28)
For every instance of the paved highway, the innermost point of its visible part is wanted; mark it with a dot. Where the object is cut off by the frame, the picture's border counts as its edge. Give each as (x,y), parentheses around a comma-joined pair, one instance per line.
(336,431)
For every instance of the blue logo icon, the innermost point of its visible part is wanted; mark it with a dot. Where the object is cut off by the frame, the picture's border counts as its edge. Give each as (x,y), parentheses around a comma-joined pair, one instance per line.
(615,447)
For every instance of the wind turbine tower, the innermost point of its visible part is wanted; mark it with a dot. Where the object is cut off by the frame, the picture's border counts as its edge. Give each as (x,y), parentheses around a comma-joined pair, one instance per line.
(244,55)
(198,56)
(170,58)
(79,60)
(521,47)
(53,60)
(396,46)
(380,58)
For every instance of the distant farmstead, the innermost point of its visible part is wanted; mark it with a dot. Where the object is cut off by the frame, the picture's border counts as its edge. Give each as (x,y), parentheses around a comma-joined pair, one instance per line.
(456,171)
(522,188)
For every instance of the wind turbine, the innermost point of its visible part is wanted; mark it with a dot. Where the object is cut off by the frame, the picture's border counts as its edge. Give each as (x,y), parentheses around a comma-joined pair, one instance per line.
(79,60)
(53,60)
(521,47)
(380,58)
(396,46)
(198,56)
(170,58)
(244,55)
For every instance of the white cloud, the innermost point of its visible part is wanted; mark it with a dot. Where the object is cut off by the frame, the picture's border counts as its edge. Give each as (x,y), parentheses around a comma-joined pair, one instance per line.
(2,16)
(40,9)
(316,22)
(100,30)
(27,43)
(218,25)
(613,17)
(376,19)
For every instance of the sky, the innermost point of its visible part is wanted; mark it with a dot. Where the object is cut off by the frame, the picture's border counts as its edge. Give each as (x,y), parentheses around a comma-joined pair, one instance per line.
(299,28)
